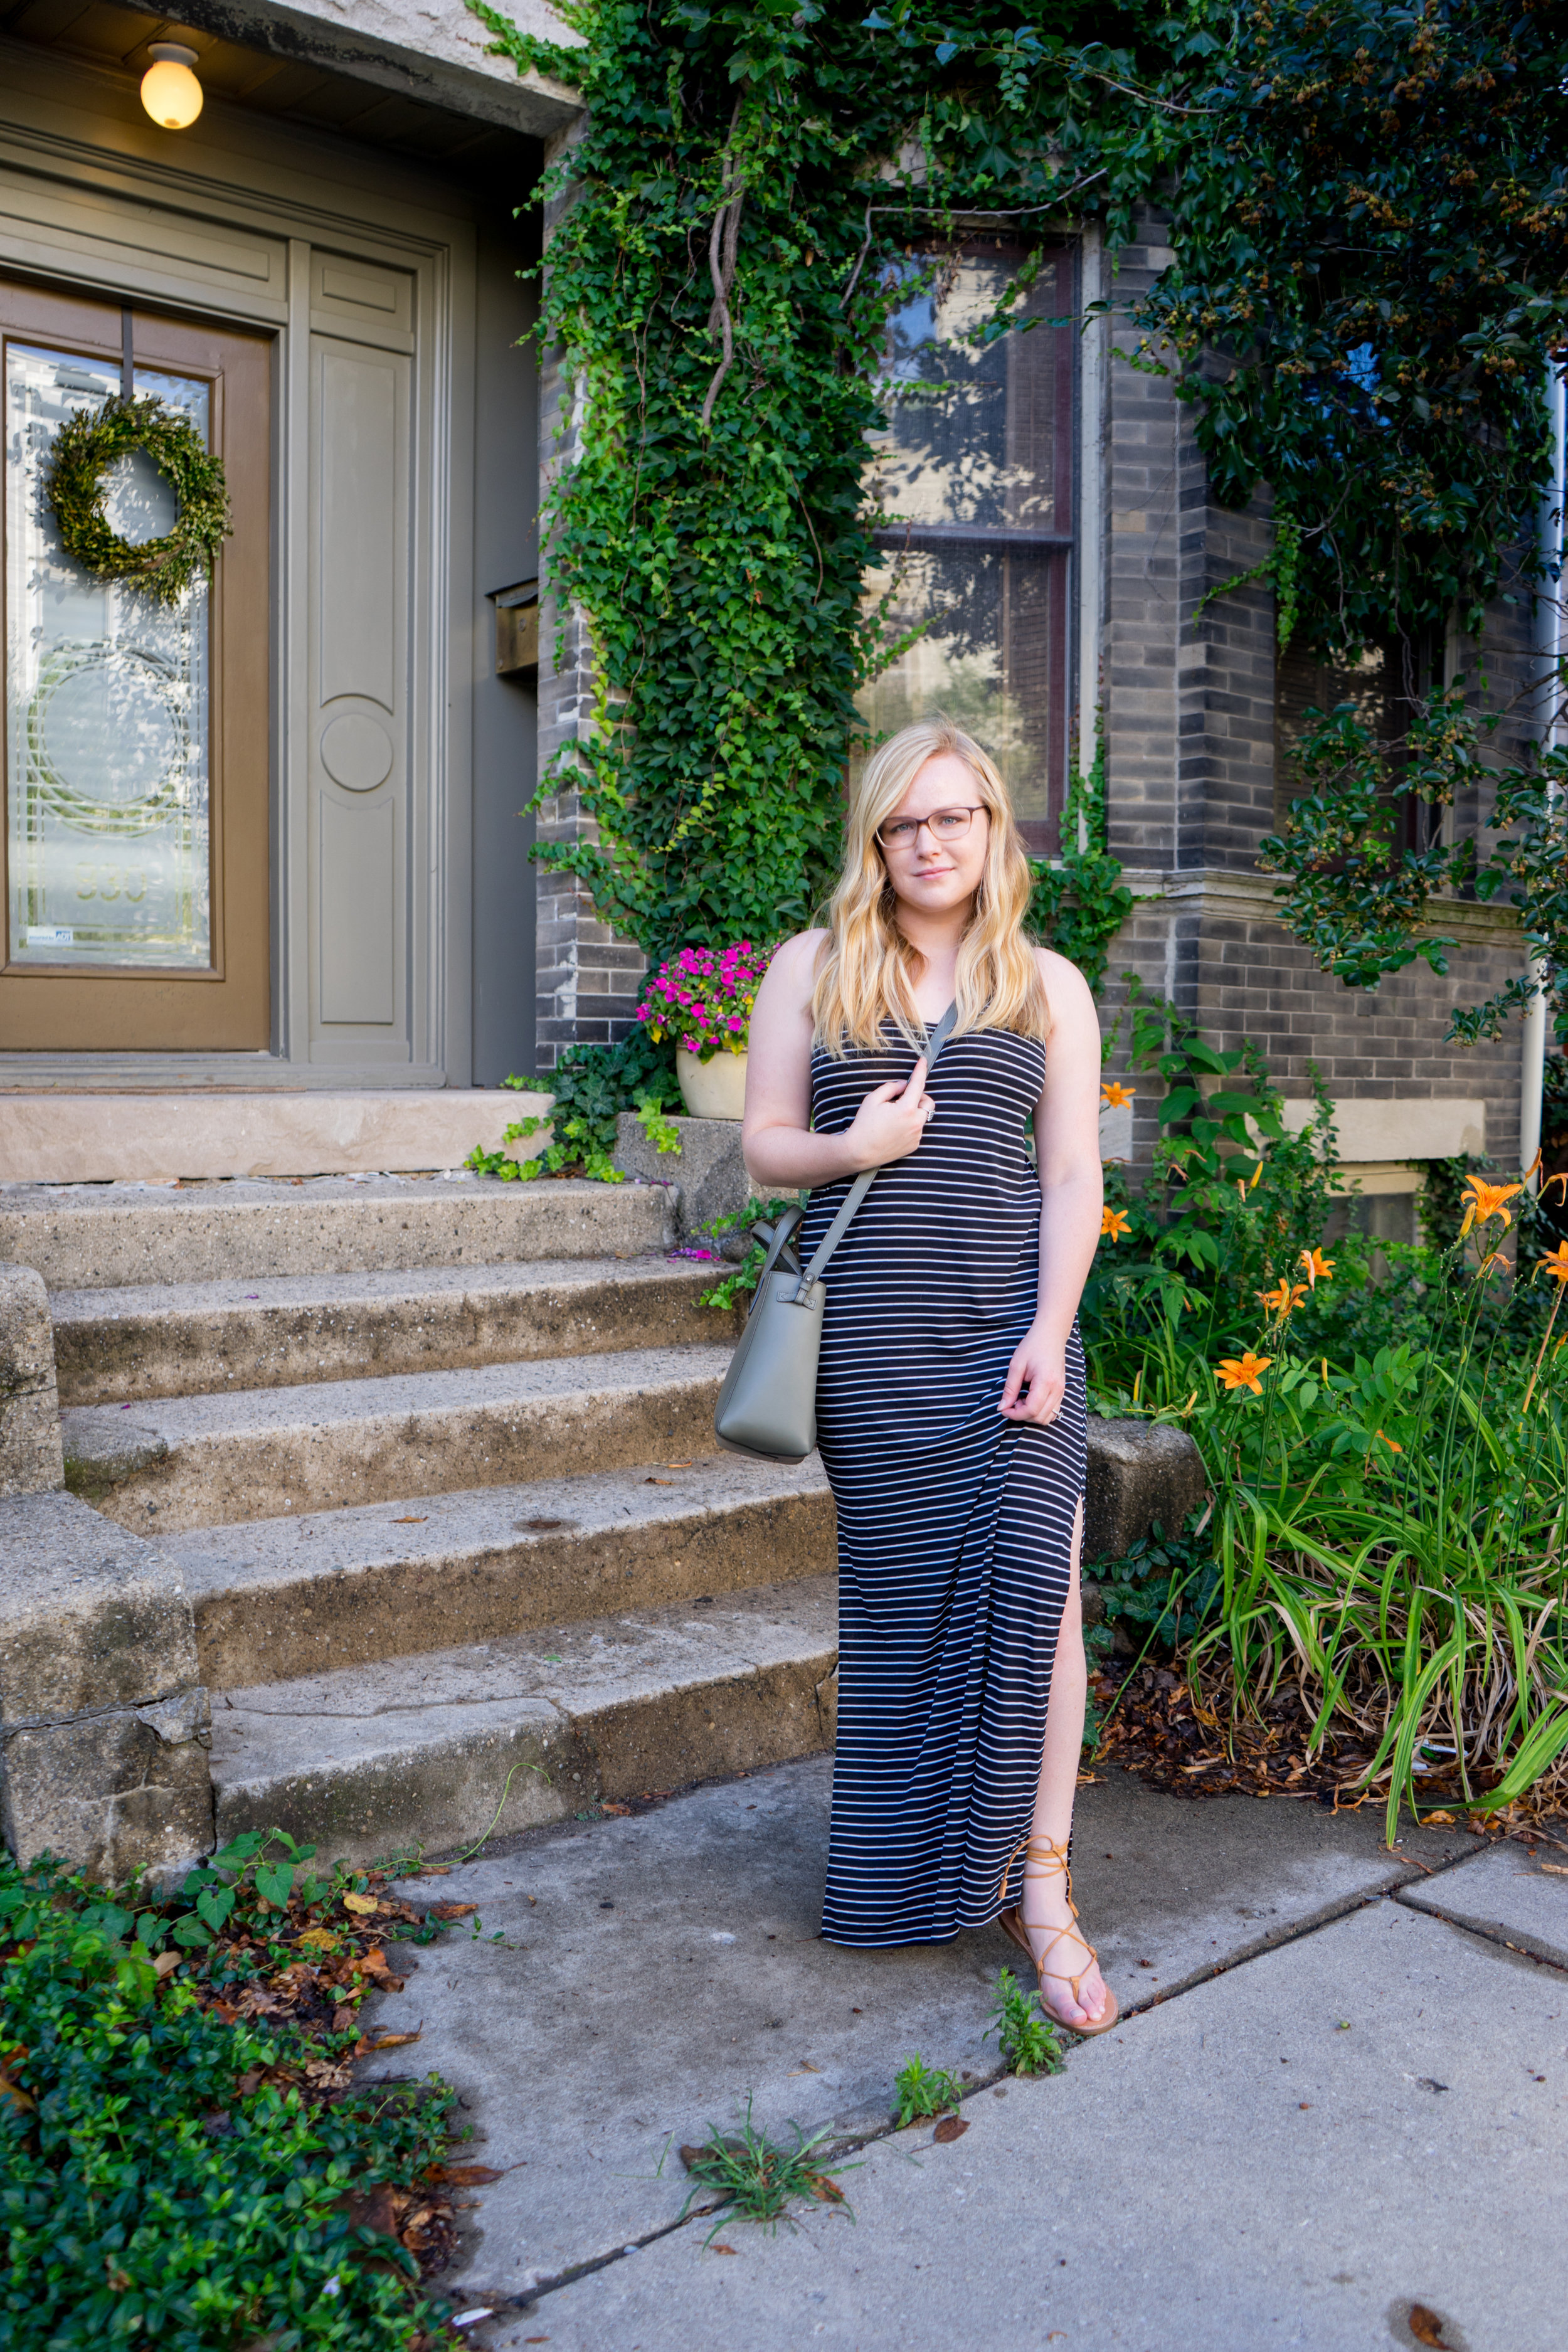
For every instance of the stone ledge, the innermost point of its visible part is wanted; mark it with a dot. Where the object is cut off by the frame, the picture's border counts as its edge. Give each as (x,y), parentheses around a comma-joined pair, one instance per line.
(30,1459)
(1139,1472)
(157,1139)
(706,1166)
(103,1722)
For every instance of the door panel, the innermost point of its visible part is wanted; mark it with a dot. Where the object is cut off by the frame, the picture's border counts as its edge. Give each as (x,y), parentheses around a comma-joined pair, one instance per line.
(137,901)
(360,698)
(358,879)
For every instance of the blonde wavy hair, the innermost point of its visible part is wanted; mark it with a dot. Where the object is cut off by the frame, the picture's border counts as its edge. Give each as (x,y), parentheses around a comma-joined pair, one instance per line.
(866,974)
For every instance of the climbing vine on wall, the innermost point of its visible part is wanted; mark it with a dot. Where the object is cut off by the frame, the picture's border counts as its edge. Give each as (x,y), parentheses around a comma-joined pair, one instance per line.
(718,288)
(1369,225)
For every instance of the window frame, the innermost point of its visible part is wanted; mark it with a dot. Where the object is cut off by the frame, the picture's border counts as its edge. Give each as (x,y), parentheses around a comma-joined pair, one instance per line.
(1055,549)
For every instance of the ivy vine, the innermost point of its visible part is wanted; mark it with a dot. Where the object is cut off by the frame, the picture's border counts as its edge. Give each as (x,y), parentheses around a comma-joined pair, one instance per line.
(1369,218)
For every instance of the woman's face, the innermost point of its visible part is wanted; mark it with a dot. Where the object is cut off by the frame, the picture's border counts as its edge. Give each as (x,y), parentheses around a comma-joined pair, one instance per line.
(936,867)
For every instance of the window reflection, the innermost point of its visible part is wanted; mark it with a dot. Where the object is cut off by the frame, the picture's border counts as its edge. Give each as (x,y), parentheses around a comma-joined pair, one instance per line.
(972,485)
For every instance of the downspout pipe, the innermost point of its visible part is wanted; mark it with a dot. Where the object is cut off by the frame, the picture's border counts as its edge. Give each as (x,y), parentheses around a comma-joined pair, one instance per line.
(1548,648)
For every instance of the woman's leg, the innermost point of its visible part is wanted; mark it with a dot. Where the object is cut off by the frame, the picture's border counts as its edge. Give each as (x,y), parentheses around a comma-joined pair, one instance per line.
(1045,1903)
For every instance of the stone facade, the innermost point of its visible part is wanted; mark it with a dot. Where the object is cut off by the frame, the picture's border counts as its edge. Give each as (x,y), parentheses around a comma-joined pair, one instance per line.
(1189,701)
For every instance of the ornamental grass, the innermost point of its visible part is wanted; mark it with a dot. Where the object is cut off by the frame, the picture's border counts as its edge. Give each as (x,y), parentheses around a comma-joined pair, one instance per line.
(1374,1605)
(1384,1539)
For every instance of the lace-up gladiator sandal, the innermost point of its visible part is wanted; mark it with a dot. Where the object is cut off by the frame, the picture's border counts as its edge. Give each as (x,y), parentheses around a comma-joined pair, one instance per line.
(1011,1922)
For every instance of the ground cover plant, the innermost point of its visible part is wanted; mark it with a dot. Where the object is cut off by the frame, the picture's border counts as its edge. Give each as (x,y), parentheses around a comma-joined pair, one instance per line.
(186,2157)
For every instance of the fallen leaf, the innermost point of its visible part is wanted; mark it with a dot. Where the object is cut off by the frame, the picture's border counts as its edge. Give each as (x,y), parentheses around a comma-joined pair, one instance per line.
(321,1939)
(678,1466)
(951,2127)
(664,1482)
(1426,2325)
(410,1522)
(394,2042)
(622,1809)
(1558,1869)
(471,2176)
(828,2191)
(363,1906)
(166,1963)
(719,2248)
(378,2207)
(452,1910)
(15,2093)
(805,2067)
(1434,1820)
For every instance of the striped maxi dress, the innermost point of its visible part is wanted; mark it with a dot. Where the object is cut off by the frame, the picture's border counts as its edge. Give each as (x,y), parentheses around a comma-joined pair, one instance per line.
(954,1525)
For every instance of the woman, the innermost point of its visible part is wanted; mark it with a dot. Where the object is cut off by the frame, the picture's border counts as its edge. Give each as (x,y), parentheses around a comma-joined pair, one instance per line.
(950,1401)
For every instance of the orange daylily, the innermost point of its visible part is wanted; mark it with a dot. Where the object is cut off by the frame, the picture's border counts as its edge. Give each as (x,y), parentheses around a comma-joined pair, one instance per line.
(1483,1201)
(1319,1268)
(1114,1222)
(1556,1262)
(1243,1373)
(1393,1446)
(1112,1095)
(1282,1297)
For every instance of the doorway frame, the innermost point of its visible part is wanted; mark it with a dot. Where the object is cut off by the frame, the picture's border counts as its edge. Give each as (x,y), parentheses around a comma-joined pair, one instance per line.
(91,202)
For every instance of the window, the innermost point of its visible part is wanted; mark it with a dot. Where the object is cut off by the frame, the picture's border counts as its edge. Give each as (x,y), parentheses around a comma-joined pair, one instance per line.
(974,480)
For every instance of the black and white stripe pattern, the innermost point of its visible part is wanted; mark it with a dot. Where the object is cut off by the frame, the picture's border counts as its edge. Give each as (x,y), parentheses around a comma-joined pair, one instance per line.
(954,1525)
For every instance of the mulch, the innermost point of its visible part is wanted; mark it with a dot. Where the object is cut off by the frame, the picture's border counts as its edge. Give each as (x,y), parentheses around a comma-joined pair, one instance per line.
(1203,1743)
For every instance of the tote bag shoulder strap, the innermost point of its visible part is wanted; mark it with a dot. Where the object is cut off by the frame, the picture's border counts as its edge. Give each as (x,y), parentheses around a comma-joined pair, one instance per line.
(867,1176)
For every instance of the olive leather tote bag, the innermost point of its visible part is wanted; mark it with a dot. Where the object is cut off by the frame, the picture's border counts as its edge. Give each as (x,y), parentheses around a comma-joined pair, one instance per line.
(767,1406)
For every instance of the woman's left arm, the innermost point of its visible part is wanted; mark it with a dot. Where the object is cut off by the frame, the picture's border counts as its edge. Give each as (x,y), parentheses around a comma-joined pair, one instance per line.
(1066,1146)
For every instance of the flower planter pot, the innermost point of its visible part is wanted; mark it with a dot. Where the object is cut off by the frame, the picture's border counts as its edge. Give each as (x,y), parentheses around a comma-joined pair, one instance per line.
(715,1089)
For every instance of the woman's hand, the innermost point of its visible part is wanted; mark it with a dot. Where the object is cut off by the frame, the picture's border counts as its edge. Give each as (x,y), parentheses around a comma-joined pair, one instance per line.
(891,1119)
(1036,1378)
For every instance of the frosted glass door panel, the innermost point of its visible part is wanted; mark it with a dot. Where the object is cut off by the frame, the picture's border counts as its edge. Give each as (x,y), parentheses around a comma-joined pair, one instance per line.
(108,695)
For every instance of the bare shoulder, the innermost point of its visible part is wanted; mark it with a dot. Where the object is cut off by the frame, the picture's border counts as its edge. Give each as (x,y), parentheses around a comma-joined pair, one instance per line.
(1067,993)
(792,969)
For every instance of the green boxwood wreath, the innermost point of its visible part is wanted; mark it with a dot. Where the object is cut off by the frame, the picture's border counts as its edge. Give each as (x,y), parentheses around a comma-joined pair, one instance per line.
(86,447)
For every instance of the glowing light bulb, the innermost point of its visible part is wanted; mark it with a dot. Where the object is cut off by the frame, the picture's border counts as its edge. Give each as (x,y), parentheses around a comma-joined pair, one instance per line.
(170,90)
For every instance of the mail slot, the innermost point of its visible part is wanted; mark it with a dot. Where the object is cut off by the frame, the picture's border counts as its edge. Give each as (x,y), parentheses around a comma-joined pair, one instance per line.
(517,628)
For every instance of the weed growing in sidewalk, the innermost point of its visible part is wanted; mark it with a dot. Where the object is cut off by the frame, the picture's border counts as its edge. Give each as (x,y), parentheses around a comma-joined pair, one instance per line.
(919,2090)
(756,2178)
(1027,2043)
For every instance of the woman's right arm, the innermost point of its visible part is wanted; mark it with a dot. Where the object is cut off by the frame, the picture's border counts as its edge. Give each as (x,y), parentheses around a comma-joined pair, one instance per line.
(777,1139)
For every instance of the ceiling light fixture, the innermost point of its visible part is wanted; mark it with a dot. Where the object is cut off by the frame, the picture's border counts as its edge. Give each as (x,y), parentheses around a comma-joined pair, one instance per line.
(170,90)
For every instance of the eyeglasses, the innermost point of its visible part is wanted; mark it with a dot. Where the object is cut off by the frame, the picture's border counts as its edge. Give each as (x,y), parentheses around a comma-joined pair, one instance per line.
(942,824)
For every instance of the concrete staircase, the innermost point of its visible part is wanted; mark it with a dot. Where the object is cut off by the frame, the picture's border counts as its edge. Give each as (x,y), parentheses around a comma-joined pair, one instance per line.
(434,1464)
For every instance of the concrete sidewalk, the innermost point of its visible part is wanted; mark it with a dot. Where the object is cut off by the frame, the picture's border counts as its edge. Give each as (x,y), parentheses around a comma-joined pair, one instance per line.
(1330,2106)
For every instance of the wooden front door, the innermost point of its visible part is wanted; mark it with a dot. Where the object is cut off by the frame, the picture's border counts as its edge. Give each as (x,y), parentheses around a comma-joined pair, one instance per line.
(135,841)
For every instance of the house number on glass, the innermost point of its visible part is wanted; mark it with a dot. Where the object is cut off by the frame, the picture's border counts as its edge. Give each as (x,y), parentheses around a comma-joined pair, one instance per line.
(109,704)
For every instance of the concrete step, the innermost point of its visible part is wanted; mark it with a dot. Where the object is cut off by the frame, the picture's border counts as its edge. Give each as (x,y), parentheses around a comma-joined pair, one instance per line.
(277,1330)
(263,1454)
(108,1237)
(536,1727)
(288,1597)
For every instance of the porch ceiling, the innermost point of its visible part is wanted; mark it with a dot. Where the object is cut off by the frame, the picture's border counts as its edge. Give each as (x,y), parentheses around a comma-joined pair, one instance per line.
(317,73)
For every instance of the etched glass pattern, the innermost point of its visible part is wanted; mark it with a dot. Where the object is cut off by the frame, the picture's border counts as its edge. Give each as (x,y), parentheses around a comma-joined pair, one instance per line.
(108,703)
